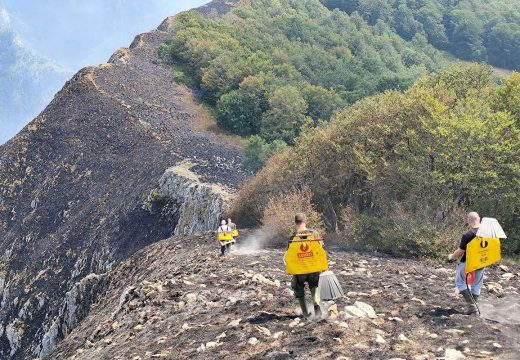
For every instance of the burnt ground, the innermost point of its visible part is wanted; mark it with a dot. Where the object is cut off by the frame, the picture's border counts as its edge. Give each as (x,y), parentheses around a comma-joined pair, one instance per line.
(177,299)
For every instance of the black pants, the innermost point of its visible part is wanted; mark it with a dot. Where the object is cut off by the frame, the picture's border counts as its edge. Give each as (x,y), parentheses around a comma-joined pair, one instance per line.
(224,248)
(298,283)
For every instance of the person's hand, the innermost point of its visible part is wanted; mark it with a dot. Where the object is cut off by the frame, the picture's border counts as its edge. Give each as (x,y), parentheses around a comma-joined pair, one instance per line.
(450,257)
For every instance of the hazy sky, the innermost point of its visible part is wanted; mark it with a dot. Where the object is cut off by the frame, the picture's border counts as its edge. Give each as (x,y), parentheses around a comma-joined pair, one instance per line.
(76,33)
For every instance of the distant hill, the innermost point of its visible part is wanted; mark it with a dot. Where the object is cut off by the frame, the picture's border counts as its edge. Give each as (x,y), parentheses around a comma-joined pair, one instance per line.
(476,30)
(27,81)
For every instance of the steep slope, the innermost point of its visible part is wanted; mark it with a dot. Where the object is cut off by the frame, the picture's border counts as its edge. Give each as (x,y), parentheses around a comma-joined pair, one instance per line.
(172,300)
(76,189)
(27,81)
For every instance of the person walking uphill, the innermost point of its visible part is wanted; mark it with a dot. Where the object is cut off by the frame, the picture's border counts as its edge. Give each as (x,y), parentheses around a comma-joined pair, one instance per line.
(299,248)
(473,291)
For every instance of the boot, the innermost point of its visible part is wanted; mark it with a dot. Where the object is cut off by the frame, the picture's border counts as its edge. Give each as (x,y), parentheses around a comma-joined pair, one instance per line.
(303,305)
(472,308)
(316,301)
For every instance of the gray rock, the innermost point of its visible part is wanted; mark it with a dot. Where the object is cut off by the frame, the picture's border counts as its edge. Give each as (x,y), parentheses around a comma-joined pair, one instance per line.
(452,354)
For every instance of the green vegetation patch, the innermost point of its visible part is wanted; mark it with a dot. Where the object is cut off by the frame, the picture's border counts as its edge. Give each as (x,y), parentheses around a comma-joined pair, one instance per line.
(397,171)
(272,67)
(476,30)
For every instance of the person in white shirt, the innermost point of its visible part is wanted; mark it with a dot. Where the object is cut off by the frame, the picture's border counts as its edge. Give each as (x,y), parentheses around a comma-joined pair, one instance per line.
(224,245)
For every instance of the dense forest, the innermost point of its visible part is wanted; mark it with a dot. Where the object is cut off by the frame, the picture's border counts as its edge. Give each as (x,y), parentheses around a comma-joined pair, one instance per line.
(476,30)
(396,171)
(270,67)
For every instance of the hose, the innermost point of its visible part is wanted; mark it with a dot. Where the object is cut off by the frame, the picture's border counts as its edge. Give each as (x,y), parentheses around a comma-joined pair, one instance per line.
(471,294)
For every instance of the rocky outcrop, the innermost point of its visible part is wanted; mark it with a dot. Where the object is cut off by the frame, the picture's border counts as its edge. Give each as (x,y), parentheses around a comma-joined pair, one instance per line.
(75,307)
(73,183)
(198,205)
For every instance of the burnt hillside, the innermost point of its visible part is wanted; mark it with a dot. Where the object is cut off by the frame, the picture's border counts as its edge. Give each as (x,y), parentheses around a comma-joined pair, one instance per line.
(73,183)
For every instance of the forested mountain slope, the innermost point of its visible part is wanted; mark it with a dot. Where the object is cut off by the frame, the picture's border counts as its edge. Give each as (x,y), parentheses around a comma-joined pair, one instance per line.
(477,30)
(269,67)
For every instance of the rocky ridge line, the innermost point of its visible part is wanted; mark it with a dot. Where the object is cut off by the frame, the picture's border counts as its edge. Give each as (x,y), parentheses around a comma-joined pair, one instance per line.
(73,184)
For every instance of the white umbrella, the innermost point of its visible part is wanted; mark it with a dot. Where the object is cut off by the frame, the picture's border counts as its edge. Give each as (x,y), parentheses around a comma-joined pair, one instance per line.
(490,228)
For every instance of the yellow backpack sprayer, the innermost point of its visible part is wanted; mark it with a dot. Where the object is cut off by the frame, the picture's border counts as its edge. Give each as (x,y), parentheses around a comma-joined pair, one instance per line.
(306,255)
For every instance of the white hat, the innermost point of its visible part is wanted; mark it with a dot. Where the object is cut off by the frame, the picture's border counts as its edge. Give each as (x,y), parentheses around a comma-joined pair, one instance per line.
(223,222)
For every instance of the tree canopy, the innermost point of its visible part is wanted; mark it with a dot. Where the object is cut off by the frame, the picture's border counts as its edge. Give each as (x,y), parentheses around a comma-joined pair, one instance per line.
(476,30)
(270,67)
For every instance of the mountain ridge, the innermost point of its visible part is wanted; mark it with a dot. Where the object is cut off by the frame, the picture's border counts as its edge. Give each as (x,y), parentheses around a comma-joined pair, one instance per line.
(76,185)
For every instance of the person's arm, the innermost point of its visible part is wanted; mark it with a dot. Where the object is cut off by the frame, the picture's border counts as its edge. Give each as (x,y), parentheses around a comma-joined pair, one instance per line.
(457,254)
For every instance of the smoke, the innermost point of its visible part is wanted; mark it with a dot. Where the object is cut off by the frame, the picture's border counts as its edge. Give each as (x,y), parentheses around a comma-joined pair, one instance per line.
(254,241)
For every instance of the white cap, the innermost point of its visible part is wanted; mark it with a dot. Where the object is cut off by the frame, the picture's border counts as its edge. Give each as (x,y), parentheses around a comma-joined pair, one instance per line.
(223,222)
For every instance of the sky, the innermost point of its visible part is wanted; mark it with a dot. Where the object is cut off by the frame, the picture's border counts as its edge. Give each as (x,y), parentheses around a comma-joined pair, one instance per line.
(78,33)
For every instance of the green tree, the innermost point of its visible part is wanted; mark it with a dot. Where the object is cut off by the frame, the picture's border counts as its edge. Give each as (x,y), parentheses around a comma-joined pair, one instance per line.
(286,115)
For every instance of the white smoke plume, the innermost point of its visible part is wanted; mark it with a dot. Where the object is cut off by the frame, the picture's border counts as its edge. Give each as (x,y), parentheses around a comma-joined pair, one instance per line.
(253,241)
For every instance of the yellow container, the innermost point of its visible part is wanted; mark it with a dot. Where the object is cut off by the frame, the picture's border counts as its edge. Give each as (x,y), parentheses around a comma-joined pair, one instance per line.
(482,252)
(225,236)
(305,255)
(235,233)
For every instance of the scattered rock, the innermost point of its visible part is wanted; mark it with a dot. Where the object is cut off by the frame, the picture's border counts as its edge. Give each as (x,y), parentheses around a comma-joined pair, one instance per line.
(212,344)
(191,297)
(252,341)
(295,322)
(419,301)
(234,323)
(277,335)
(402,337)
(380,339)
(261,279)
(367,309)
(395,318)
(333,311)
(353,311)
(452,354)
(497,345)
(264,330)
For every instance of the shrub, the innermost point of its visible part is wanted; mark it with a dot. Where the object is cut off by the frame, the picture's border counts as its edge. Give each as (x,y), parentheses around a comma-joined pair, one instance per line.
(278,217)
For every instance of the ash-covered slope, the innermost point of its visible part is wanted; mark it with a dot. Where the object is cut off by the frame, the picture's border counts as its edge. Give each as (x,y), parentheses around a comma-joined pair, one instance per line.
(75,185)
(175,301)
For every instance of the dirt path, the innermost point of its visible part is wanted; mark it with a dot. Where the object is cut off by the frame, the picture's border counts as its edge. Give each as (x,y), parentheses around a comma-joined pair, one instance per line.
(172,301)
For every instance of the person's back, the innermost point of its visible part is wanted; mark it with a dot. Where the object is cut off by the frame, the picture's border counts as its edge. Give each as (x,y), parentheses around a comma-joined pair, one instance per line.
(298,281)
(231,224)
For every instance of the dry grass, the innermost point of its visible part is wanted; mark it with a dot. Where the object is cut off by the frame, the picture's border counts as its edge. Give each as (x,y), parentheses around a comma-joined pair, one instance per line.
(278,218)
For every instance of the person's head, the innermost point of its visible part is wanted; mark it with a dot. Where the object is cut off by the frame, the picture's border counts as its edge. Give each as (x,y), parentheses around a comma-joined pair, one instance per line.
(473,219)
(229,220)
(223,222)
(300,220)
